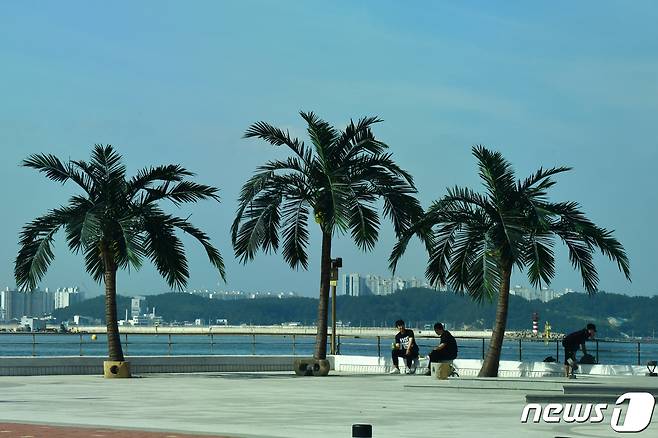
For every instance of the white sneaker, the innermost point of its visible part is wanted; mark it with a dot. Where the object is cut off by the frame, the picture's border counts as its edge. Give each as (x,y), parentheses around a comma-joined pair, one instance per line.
(394,371)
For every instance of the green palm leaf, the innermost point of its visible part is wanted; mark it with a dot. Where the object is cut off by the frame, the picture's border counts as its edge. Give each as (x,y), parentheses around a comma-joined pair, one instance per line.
(260,227)
(165,249)
(295,233)
(35,253)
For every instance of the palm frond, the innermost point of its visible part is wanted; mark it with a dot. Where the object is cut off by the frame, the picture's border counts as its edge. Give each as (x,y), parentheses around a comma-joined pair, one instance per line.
(399,249)
(510,235)
(90,227)
(128,244)
(542,177)
(322,135)
(497,175)
(213,254)
(165,249)
(422,228)
(94,263)
(611,248)
(48,164)
(292,164)
(295,233)
(580,255)
(440,254)
(55,170)
(366,167)
(401,207)
(364,225)
(107,163)
(395,186)
(573,221)
(249,191)
(468,198)
(147,176)
(79,206)
(179,193)
(90,175)
(260,225)
(357,139)
(277,137)
(539,258)
(334,203)
(35,253)
(463,253)
(484,271)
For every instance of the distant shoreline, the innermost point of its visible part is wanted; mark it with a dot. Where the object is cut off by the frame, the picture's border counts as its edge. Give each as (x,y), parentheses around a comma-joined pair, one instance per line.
(384,332)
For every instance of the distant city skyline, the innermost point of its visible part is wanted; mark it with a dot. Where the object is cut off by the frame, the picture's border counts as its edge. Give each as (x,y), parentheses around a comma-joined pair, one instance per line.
(358,284)
(368,284)
(34,307)
(15,304)
(546,84)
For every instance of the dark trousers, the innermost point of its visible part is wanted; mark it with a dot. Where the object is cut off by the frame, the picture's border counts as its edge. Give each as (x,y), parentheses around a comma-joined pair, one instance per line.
(440,356)
(569,353)
(395,354)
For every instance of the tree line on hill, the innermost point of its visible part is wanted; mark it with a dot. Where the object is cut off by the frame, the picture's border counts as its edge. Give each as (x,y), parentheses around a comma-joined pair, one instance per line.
(615,315)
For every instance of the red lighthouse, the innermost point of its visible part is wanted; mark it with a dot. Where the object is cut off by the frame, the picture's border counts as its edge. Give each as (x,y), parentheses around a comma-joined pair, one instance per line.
(535,323)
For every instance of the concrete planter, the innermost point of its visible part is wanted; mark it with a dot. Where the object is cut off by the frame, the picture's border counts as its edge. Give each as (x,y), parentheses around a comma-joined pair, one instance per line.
(113,369)
(311,367)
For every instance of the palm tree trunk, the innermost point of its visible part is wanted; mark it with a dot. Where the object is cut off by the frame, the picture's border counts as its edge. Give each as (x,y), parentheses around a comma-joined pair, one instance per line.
(323,305)
(492,360)
(113,341)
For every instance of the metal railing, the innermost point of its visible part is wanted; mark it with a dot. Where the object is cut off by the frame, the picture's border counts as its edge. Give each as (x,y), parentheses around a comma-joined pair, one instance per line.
(40,344)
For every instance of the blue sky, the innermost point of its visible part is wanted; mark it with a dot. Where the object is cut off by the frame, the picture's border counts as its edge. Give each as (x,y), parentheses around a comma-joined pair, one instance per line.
(550,83)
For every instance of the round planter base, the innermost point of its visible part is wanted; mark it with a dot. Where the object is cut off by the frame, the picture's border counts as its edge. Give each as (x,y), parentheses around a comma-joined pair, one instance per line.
(113,369)
(312,367)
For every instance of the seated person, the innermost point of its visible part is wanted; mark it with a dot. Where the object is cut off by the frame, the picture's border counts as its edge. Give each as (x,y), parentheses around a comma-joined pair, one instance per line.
(446,350)
(405,346)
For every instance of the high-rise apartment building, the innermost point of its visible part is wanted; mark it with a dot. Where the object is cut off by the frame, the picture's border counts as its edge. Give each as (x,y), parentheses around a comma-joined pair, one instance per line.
(544,294)
(137,306)
(355,284)
(16,304)
(67,296)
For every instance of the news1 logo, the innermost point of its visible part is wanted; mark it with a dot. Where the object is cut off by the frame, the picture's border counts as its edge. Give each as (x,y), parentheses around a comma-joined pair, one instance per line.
(637,418)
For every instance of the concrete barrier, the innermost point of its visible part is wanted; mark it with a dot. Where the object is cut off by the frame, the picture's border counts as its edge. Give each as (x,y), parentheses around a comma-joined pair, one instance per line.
(471,367)
(79,365)
(36,366)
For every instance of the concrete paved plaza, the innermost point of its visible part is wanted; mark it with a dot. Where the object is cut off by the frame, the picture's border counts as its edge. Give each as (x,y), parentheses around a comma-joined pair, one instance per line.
(283,405)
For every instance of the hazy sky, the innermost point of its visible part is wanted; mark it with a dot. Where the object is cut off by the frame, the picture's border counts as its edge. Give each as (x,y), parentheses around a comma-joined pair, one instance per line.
(546,83)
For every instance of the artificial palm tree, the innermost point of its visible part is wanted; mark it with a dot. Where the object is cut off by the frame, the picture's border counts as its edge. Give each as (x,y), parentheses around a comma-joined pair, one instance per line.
(116,222)
(474,240)
(339,178)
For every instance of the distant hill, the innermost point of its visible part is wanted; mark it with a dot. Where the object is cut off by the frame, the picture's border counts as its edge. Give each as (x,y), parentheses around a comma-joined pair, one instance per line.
(615,315)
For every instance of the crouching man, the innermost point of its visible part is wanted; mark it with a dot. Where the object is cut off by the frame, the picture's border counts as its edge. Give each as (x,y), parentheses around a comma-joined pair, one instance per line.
(572,343)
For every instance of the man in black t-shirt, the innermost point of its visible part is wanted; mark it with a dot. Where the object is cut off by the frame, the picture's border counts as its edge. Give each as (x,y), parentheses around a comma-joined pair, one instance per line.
(405,346)
(572,343)
(446,350)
